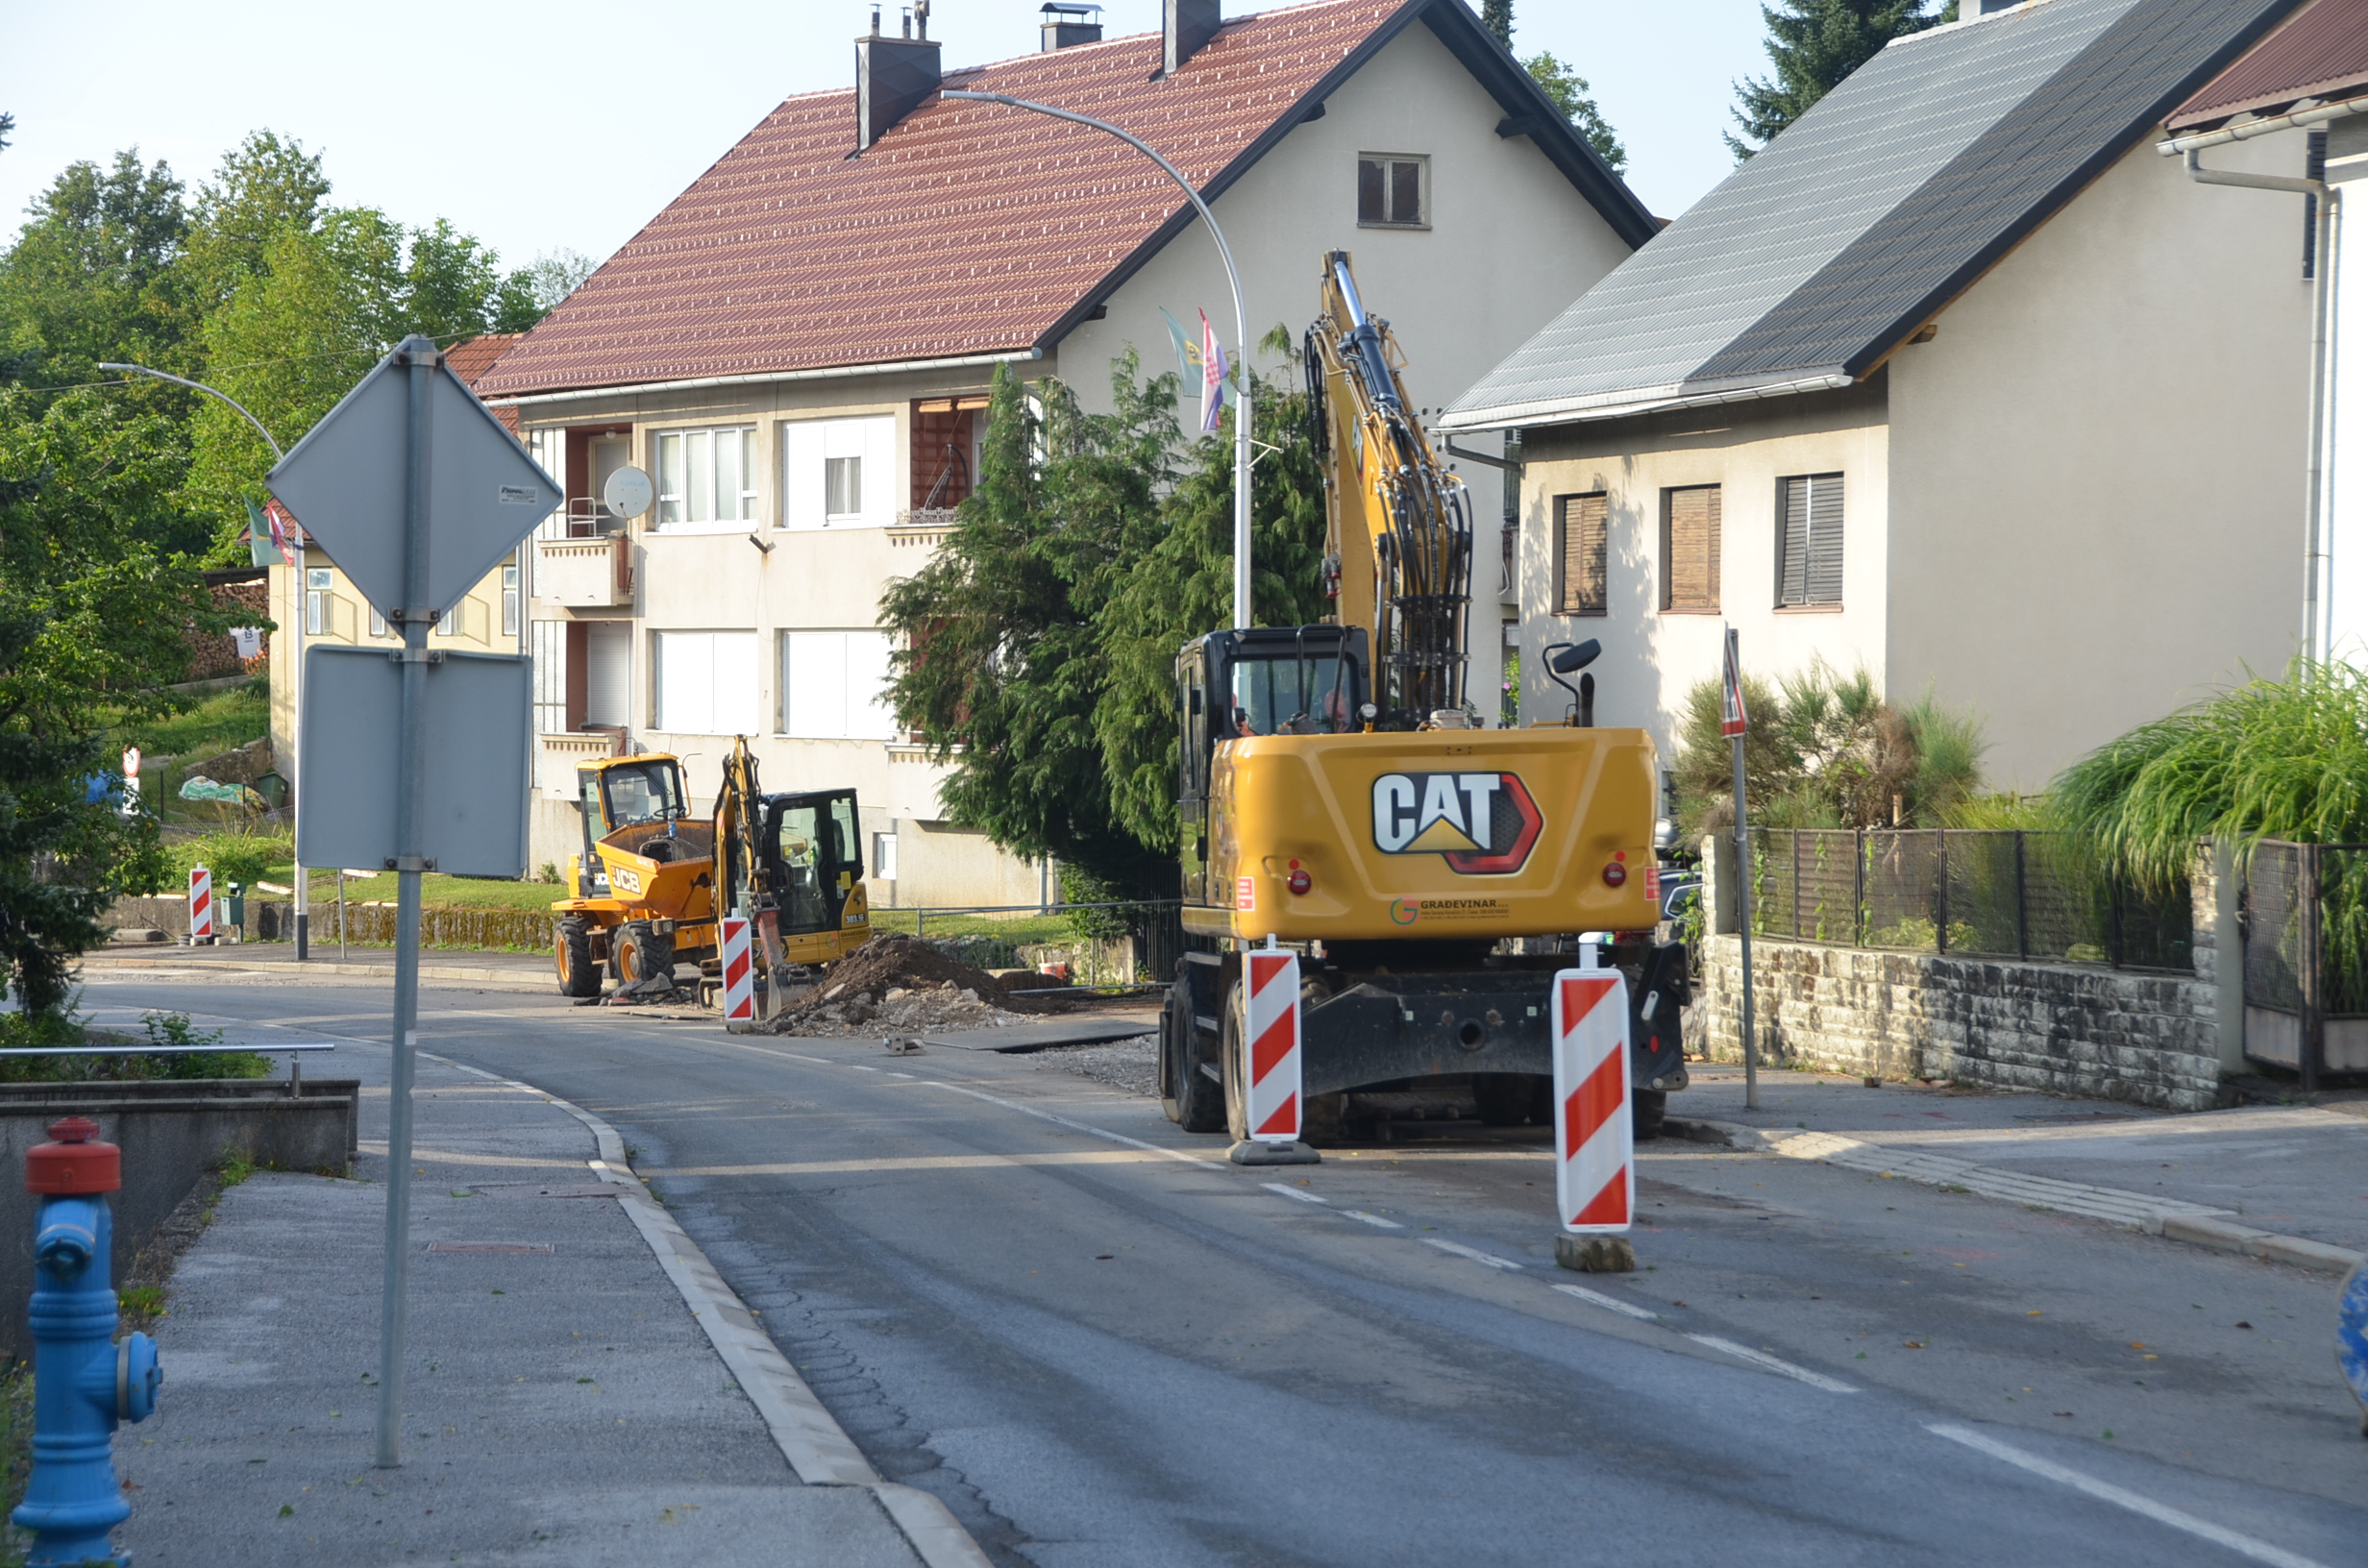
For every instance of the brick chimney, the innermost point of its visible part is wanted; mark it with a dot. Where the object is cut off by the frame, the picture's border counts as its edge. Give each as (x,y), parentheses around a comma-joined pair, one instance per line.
(894,76)
(1188,24)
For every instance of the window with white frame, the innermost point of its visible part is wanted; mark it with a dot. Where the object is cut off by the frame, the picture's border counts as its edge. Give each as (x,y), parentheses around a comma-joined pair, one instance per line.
(378,622)
(448,625)
(839,473)
(318,615)
(510,601)
(833,686)
(705,682)
(705,478)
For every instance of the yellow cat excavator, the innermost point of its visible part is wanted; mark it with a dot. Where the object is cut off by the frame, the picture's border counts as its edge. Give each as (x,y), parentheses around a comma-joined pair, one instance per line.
(644,892)
(1338,795)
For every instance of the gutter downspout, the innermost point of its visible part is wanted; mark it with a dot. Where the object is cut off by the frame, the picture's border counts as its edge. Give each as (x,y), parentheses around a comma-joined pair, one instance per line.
(2316,624)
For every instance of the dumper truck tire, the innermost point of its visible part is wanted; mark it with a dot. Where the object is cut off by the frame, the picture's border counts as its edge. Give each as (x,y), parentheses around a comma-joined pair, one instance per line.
(642,952)
(578,975)
(1503,1098)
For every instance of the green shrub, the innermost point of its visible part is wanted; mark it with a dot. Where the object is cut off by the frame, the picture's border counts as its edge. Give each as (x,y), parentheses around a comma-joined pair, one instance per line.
(233,855)
(22,1031)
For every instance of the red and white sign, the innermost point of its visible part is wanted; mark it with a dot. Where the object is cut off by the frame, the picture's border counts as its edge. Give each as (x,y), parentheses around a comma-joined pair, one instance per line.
(201,903)
(1273,1027)
(739,978)
(1734,719)
(1594,1144)
(131,762)
(1246,893)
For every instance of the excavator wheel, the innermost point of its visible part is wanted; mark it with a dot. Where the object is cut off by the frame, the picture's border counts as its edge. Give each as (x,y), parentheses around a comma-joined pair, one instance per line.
(1647,1107)
(641,952)
(578,975)
(1191,1100)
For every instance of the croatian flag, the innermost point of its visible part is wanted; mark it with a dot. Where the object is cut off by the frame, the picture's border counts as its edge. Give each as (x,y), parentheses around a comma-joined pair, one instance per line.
(1212,376)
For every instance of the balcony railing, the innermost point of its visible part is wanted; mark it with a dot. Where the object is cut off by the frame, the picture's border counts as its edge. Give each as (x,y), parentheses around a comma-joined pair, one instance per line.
(585,573)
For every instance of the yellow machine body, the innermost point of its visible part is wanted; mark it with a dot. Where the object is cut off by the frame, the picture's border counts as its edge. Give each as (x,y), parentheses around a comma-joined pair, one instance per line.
(1430,834)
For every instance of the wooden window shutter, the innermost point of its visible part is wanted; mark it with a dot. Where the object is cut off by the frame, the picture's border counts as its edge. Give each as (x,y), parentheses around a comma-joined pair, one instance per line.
(1583,549)
(1690,527)
(1809,568)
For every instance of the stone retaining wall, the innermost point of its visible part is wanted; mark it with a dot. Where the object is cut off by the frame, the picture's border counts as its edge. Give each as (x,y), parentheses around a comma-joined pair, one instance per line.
(2149,1038)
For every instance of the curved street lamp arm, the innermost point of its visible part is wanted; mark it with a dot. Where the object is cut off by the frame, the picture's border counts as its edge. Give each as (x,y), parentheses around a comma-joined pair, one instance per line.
(201,386)
(1243,460)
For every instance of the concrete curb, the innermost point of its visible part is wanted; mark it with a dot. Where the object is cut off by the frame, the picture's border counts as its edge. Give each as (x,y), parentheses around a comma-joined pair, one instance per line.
(315,969)
(2178,1222)
(815,1445)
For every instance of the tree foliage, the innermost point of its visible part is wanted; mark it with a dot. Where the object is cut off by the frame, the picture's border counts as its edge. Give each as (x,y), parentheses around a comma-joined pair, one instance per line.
(1569,91)
(1825,750)
(1813,44)
(1040,643)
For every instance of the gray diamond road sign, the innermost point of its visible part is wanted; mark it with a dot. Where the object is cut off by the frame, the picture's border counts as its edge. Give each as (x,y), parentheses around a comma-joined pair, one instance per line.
(346,483)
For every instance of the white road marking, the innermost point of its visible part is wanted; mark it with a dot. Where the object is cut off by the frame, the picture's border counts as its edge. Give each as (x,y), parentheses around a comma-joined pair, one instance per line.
(860,1067)
(1086,1127)
(1473,1253)
(817,1061)
(2106,1492)
(1626,1309)
(905,1075)
(1373,1219)
(1294,1192)
(1761,1358)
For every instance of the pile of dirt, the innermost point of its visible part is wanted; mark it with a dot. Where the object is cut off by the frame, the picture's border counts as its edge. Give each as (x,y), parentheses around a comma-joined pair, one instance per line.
(894,985)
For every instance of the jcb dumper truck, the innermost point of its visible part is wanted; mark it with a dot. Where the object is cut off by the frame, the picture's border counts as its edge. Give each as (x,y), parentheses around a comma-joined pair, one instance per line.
(648,885)
(1337,794)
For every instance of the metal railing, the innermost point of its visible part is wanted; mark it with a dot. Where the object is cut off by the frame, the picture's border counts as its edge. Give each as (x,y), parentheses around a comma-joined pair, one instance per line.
(2305,926)
(1977,892)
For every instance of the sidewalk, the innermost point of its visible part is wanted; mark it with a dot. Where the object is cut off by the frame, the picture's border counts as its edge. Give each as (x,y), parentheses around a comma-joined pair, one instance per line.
(470,966)
(2294,1170)
(564,1405)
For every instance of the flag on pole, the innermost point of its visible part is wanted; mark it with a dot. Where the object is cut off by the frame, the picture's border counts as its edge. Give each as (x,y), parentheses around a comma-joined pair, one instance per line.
(1186,354)
(1212,376)
(1734,719)
(258,537)
(283,532)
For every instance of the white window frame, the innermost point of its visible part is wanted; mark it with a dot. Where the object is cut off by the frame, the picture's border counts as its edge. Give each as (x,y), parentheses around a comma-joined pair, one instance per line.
(836,696)
(510,597)
(448,625)
(378,622)
(320,610)
(809,447)
(675,454)
(733,662)
(1423,190)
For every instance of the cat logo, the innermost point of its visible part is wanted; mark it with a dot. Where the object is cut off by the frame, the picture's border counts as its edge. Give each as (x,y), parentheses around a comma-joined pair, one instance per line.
(1485,825)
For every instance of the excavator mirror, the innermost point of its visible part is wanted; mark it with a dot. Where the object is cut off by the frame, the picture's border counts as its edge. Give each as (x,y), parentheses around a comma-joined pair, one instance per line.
(1574,656)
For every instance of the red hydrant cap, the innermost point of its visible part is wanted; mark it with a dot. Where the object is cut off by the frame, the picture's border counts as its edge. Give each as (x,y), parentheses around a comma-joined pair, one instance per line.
(76,1163)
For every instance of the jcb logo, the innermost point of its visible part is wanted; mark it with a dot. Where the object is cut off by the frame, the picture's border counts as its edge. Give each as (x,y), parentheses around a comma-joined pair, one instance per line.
(1485,825)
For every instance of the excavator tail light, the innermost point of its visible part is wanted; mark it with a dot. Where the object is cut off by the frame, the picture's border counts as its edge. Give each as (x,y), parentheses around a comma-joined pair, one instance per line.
(1614,875)
(1300,882)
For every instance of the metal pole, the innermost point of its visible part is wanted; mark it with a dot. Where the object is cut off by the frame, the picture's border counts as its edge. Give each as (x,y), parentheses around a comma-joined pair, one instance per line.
(1742,861)
(296,624)
(1242,455)
(420,356)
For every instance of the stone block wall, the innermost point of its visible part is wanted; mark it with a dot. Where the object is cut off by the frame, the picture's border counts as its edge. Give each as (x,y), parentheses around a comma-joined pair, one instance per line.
(2148,1038)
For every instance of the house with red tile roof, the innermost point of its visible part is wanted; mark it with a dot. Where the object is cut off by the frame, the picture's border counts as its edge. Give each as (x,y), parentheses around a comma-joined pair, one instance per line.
(796,351)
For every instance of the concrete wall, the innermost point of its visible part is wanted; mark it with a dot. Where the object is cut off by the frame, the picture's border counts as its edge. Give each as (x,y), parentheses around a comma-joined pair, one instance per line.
(2097,497)
(1651,656)
(2149,1037)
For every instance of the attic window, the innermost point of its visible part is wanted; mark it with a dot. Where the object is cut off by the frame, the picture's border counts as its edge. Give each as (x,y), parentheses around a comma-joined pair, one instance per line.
(1393,190)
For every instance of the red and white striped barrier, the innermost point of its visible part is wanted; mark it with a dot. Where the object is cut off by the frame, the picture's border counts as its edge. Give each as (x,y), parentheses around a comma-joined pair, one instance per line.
(1274,1031)
(739,978)
(201,904)
(1594,1142)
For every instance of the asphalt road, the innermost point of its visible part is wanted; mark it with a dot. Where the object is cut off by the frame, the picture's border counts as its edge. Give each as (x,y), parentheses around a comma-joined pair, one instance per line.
(1026,1291)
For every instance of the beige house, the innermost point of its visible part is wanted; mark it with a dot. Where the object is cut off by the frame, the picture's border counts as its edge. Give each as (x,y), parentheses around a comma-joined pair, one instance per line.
(798,352)
(1959,381)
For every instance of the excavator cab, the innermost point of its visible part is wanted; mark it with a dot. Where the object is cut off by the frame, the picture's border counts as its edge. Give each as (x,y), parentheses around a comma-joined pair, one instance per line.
(814,860)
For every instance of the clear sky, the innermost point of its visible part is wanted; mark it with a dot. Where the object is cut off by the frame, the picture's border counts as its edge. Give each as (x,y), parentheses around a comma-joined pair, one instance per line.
(551,126)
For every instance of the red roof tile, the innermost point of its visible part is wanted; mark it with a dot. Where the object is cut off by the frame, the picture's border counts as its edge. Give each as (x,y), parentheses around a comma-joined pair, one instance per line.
(2322,49)
(472,356)
(967,229)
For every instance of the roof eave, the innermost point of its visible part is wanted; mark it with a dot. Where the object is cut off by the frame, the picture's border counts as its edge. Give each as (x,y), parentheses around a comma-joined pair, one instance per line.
(1643,400)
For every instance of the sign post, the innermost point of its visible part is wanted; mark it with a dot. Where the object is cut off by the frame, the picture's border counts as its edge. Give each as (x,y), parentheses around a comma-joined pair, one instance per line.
(131,782)
(416,492)
(1734,722)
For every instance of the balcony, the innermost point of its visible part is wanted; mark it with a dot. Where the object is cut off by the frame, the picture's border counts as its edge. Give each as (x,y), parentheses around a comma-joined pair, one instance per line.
(593,573)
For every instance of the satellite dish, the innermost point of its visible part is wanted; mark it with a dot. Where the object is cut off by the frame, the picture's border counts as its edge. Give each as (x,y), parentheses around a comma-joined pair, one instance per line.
(627,492)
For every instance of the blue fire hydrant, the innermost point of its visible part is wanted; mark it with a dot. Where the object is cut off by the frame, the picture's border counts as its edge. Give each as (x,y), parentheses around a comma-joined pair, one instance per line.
(84,1382)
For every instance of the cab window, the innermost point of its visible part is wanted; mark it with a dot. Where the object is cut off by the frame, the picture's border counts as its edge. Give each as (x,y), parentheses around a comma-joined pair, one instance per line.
(1290,696)
(800,840)
(648,792)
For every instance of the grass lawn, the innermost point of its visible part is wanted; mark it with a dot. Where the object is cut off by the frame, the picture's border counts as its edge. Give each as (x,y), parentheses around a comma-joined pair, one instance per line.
(435,892)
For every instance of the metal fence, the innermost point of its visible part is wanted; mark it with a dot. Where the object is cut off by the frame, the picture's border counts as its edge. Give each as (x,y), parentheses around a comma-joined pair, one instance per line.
(2305,923)
(1099,944)
(1973,892)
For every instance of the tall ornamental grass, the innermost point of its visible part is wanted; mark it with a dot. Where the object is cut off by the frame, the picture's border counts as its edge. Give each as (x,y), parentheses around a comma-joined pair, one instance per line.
(2273,759)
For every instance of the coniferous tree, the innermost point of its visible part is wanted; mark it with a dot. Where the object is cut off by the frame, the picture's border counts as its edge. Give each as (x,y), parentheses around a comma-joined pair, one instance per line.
(1496,15)
(1813,44)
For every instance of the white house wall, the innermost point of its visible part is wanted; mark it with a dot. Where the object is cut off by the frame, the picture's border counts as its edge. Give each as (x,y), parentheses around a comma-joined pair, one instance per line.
(2347,566)
(1510,243)
(2097,514)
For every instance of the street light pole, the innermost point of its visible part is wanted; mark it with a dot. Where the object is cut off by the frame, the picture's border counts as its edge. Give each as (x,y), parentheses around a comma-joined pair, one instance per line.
(296,624)
(1241,327)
